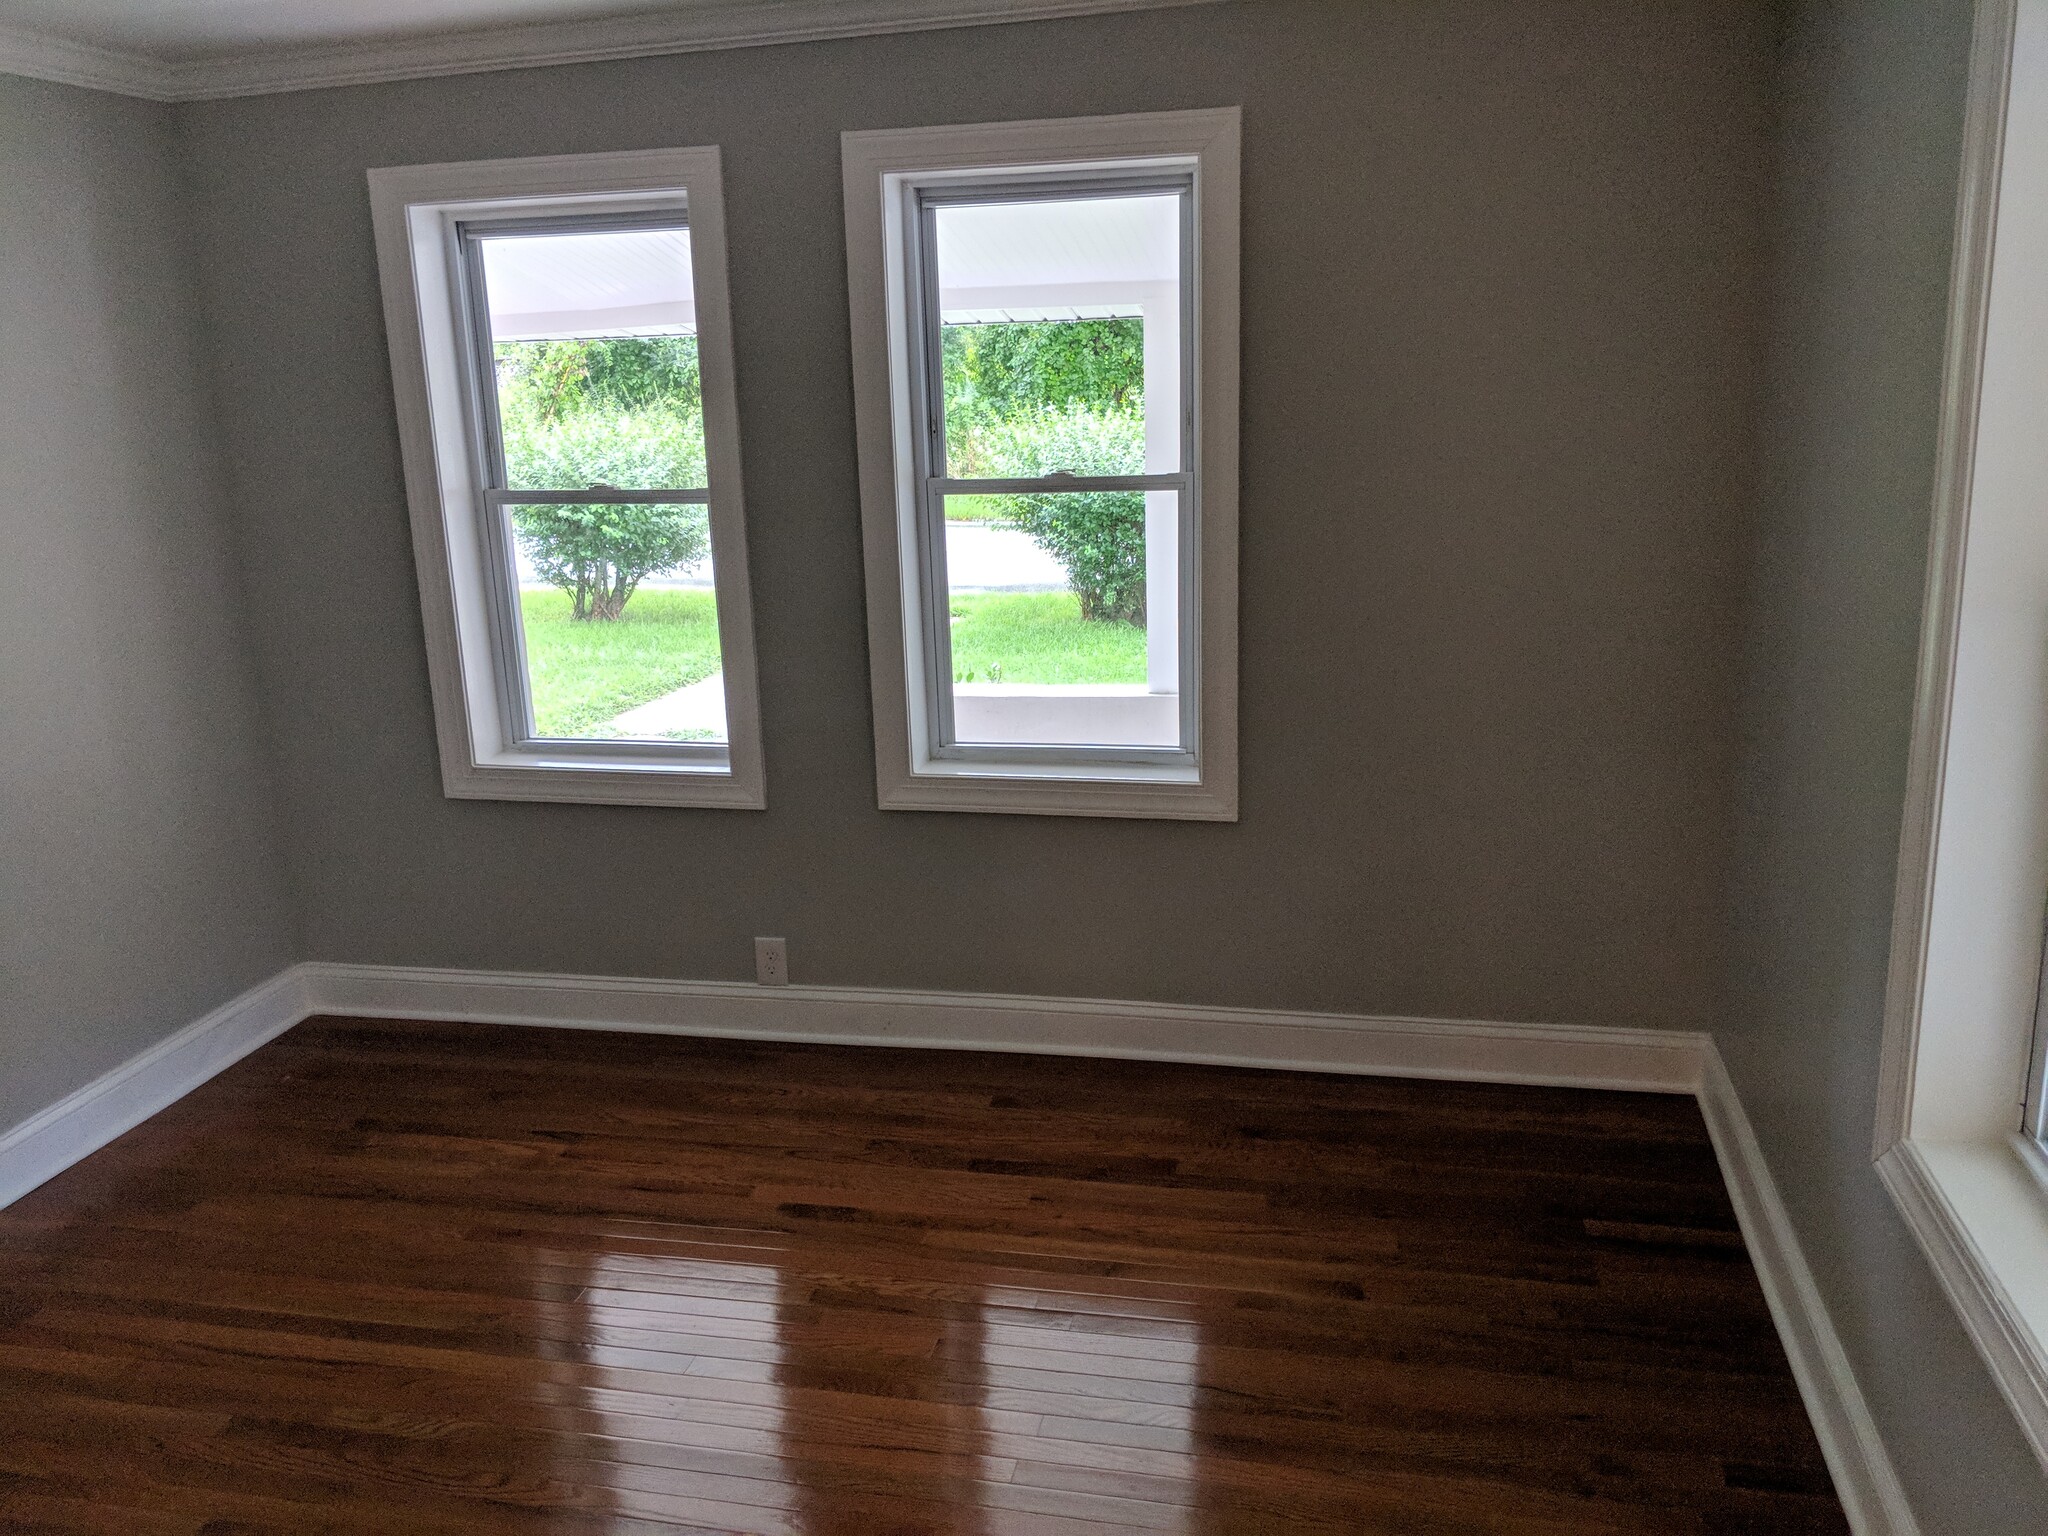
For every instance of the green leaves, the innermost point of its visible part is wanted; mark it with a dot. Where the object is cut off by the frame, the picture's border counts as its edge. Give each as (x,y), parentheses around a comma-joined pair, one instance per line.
(1082,439)
(622,414)
(600,553)
(996,371)
(1098,537)
(625,373)
(628,450)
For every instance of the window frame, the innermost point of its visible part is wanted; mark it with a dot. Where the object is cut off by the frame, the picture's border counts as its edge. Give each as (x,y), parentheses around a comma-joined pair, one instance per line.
(426,219)
(1958,1082)
(891,177)
(2034,1104)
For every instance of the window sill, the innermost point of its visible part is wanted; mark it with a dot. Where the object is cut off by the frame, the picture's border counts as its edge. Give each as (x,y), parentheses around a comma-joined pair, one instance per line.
(1168,792)
(583,781)
(1980,1213)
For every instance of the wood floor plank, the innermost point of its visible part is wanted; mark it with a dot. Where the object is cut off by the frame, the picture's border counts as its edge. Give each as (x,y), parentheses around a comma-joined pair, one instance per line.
(384,1277)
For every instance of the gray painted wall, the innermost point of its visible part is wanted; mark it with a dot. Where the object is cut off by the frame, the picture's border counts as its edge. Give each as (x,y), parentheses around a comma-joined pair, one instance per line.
(139,883)
(1871,98)
(1503,266)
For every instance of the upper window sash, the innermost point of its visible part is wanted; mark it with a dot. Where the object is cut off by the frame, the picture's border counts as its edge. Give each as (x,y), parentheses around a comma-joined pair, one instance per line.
(471,237)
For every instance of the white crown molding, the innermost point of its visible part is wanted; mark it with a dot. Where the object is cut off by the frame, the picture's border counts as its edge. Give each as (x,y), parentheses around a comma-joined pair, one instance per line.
(1450,1049)
(68,63)
(710,24)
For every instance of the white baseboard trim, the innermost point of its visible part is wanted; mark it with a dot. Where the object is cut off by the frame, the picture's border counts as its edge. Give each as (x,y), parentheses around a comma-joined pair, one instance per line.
(1640,1060)
(80,1123)
(1869,1488)
(1655,1061)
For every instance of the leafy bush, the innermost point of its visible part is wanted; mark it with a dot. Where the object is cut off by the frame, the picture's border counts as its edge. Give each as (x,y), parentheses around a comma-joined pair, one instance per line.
(630,450)
(998,371)
(1098,537)
(599,553)
(560,434)
(627,373)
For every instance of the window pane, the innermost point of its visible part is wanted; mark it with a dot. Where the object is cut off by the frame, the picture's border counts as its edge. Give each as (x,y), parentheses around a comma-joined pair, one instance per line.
(594,341)
(1062,618)
(619,620)
(1060,336)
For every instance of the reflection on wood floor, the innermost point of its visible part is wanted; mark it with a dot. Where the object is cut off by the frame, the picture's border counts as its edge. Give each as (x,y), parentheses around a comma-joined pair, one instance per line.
(416,1279)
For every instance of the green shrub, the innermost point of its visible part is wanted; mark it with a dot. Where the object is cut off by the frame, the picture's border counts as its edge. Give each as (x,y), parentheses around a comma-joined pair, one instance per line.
(599,553)
(1098,537)
(994,371)
(625,373)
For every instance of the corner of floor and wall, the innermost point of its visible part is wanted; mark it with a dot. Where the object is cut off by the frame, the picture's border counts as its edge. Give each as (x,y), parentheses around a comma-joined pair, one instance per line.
(1547,714)
(138,821)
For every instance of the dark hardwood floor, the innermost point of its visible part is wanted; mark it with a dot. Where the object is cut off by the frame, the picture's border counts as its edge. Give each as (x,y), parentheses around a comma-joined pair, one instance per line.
(416,1279)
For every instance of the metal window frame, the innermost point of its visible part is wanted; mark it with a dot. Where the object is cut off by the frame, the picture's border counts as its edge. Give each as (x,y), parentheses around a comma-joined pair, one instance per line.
(1006,186)
(495,497)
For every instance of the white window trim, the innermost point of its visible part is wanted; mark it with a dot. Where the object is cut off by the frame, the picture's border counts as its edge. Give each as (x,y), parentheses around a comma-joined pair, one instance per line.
(1966,952)
(414,209)
(877,166)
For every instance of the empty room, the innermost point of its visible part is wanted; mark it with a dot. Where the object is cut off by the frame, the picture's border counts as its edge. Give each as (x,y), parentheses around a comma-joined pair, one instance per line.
(1023,767)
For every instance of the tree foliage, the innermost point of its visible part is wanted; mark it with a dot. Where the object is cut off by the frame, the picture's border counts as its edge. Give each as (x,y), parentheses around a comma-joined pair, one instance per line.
(1098,537)
(1031,398)
(628,373)
(621,413)
(995,372)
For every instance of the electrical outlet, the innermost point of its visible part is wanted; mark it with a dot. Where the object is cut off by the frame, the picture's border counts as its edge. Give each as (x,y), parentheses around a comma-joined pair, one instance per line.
(771,962)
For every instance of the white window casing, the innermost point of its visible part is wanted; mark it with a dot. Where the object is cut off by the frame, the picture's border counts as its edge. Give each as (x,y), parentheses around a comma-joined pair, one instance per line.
(1167,748)
(1959,1112)
(488,749)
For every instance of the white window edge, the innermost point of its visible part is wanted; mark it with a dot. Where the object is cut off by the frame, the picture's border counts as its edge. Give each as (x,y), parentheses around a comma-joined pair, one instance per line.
(1209,139)
(474,768)
(1977,1206)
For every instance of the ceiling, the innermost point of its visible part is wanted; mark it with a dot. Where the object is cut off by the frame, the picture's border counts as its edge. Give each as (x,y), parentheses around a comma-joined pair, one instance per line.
(173,50)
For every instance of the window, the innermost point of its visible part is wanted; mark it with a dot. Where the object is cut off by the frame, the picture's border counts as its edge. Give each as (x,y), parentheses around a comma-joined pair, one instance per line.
(561,357)
(1045,337)
(1960,1108)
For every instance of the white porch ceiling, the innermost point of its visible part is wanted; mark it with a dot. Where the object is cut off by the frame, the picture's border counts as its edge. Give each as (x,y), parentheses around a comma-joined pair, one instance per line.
(626,283)
(1083,260)
(1087,259)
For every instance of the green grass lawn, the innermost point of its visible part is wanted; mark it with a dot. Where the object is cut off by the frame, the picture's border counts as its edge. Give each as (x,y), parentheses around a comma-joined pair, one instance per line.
(584,674)
(1040,637)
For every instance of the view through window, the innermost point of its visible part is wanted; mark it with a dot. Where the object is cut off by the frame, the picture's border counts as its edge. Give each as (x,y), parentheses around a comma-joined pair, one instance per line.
(1058,496)
(596,424)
